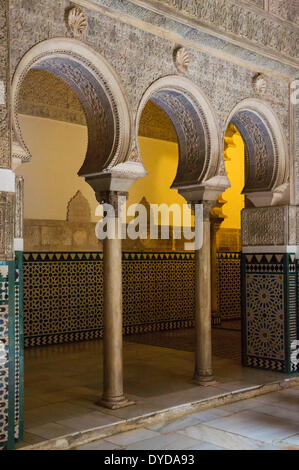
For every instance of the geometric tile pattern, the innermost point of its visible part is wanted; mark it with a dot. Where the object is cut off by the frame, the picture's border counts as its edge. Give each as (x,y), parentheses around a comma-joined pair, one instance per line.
(269,322)
(265,315)
(4,353)
(63,295)
(19,350)
(229,285)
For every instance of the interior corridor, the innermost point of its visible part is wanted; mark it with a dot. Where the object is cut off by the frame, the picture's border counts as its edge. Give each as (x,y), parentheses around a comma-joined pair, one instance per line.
(63,383)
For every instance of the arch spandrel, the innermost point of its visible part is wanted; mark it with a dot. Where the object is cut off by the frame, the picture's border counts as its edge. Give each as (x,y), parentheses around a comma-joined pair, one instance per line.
(97,87)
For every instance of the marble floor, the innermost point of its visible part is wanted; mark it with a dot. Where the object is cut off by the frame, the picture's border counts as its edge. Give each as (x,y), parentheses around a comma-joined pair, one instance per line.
(226,340)
(269,422)
(63,384)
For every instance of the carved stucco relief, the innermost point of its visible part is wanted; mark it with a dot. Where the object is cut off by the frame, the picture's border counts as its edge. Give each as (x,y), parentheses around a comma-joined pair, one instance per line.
(193,136)
(44,95)
(130,52)
(98,90)
(260,154)
(4,91)
(297,150)
(19,207)
(231,17)
(286,9)
(7,213)
(269,226)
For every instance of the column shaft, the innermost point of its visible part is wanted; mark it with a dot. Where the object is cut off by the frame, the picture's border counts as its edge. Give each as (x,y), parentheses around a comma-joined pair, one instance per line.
(113,393)
(203,354)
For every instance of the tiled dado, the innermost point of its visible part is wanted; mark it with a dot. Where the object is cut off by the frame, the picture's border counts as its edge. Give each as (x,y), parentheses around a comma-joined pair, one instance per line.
(269,320)
(11,362)
(229,285)
(63,295)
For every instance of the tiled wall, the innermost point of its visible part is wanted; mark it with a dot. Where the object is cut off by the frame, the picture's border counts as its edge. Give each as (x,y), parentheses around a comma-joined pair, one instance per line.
(63,295)
(229,285)
(269,311)
(11,363)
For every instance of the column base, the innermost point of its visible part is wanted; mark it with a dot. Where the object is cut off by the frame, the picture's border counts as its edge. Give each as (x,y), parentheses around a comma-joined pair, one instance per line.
(204,380)
(115,403)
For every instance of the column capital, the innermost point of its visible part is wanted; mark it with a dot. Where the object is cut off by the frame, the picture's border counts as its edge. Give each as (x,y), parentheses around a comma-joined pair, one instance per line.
(206,193)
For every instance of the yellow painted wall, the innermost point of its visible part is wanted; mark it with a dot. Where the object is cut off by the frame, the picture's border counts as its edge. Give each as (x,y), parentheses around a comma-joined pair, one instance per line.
(235,165)
(160,159)
(58,150)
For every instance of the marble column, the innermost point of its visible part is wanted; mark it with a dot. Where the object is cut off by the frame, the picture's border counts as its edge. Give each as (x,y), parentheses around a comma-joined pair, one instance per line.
(217,217)
(203,374)
(113,390)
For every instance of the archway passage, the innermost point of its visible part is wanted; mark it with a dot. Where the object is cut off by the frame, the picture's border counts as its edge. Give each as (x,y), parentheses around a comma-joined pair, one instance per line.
(194,124)
(267,263)
(226,248)
(266,169)
(160,154)
(97,88)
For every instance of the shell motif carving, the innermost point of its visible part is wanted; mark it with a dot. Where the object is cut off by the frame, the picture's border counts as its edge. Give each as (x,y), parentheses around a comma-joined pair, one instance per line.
(259,84)
(182,59)
(77,21)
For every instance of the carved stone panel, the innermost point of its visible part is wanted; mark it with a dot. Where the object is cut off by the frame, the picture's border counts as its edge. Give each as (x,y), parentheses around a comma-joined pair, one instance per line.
(286,9)
(19,207)
(7,213)
(261,160)
(265,226)
(297,151)
(5,145)
(238,19)
(129,50)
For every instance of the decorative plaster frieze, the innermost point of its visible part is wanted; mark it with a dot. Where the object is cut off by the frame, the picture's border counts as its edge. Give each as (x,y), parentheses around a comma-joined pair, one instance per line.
(7,213)
(269,226)
(2,93)
(242,21)
(19,208)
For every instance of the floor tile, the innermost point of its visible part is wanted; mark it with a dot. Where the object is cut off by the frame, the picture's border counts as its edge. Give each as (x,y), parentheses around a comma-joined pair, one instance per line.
(256,425)
(220,438)
(98,445)
(50,430)
(131,437)
(90,420)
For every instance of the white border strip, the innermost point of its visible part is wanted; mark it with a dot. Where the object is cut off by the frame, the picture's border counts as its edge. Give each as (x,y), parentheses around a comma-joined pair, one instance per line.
(7,180)
(19,244)
(272,249)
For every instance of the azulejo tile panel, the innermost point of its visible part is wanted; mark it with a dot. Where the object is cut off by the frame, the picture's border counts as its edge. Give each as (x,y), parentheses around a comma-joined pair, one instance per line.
(8,374)
(19,347)
(63,295)
(229,285)
(269,320)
